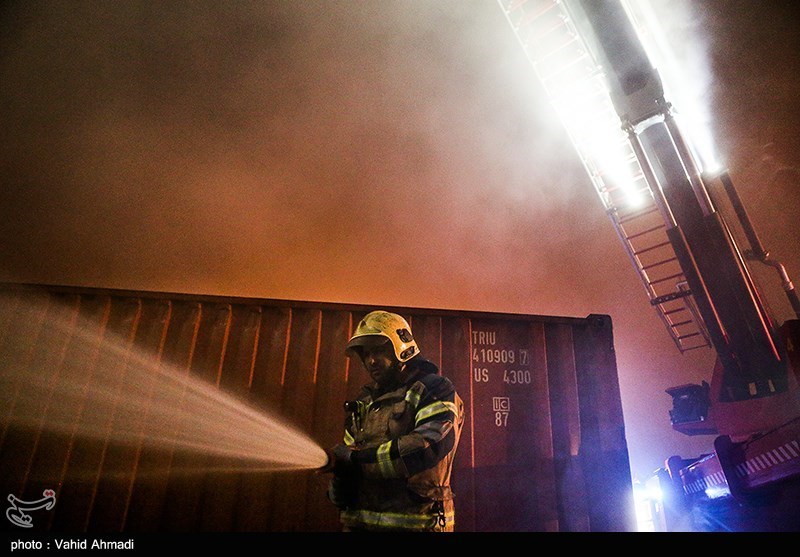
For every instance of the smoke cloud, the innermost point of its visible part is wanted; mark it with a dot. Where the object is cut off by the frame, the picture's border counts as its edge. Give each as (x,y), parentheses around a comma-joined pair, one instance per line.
(388,153)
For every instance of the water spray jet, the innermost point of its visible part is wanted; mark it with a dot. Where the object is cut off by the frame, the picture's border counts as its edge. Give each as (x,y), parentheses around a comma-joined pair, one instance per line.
(105,389)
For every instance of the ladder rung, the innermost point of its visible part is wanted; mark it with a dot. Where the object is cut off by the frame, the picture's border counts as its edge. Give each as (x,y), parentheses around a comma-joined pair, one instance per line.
(533,15)
(517,3)
(637,214)
(665,279)
(552,29)
(643,232)
(694,347)
(552,77)
(662,262)
(651,248)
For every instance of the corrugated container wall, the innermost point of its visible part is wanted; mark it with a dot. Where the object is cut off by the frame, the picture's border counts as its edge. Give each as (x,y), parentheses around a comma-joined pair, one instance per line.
(543,447)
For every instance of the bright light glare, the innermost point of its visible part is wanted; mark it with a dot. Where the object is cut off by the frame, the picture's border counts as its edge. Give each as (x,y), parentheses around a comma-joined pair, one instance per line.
(717,491)
(595,130)
(654,493)
(647,499)
(577,88)
(578,91)
(684,77)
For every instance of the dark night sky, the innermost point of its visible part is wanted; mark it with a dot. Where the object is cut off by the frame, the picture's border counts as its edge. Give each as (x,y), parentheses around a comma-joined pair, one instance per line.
(379,152)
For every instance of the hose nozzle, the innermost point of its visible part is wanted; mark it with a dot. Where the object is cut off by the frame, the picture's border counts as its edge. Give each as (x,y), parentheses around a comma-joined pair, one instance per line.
(328,467)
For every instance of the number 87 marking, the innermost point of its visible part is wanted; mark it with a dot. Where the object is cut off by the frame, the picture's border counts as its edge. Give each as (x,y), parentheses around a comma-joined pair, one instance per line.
(501,419)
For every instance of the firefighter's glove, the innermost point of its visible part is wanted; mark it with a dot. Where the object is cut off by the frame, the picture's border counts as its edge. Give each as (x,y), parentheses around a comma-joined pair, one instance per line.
(342,491)
(341,461)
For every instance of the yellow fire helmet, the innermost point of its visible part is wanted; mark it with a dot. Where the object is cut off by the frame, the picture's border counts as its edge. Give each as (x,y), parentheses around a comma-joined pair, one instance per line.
(380,325)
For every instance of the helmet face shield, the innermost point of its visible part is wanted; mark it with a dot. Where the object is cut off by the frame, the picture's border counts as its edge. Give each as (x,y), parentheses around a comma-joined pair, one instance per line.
(356,344)
(379,326)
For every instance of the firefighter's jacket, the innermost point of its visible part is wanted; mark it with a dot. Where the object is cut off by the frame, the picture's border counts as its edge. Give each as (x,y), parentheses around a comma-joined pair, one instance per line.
(405,442)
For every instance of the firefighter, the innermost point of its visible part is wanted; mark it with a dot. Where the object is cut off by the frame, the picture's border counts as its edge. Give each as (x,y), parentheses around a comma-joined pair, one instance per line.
(392,472)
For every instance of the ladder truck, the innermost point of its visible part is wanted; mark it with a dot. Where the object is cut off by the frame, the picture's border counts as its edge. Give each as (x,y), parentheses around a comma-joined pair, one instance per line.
(695,263)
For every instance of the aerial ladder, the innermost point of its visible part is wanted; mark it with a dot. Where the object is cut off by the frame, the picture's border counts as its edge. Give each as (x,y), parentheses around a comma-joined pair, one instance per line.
(665,208)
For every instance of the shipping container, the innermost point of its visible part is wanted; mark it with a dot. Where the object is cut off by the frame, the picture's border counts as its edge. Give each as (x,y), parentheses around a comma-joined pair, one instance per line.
(101,391)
